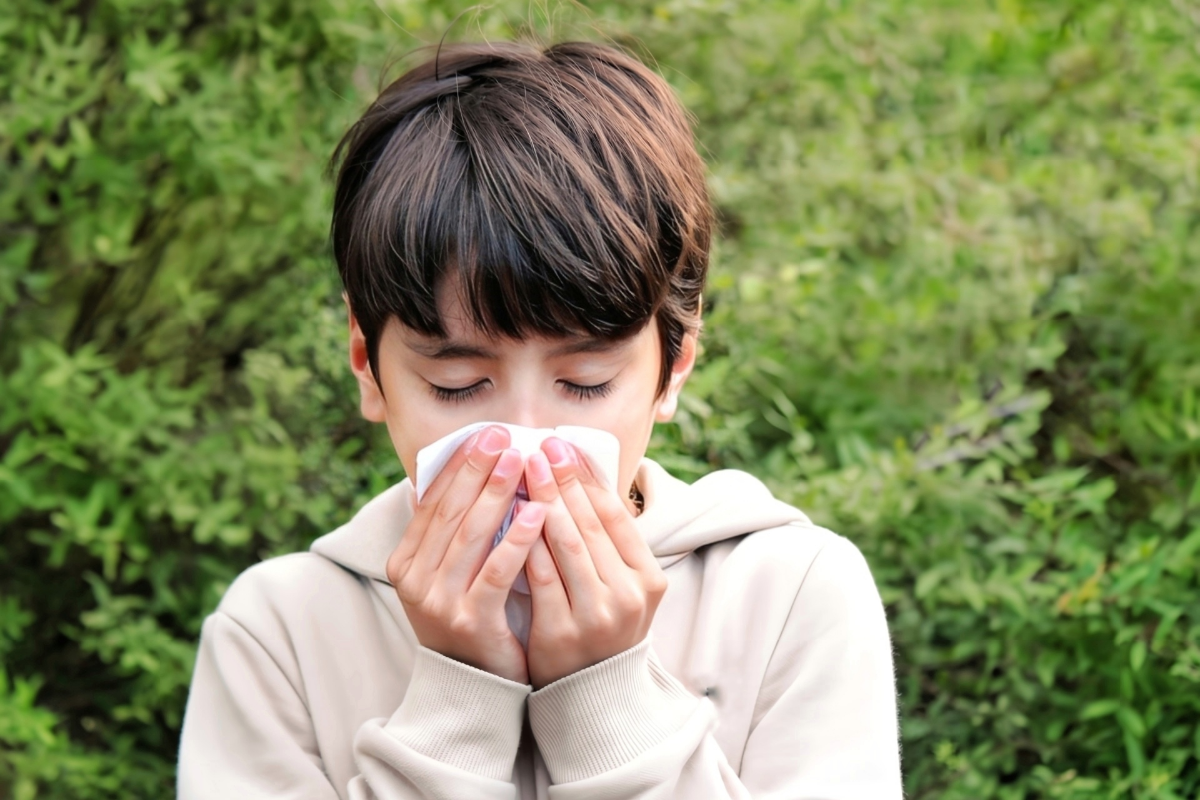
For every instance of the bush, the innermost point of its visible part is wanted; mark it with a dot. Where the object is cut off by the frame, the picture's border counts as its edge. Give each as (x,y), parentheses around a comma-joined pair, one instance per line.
(953,315)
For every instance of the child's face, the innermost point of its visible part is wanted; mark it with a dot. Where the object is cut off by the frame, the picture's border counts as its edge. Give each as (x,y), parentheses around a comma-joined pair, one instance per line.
(434,386)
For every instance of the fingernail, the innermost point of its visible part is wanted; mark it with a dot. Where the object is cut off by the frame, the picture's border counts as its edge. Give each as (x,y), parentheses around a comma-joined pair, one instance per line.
(509,464)
(538,468)
(557,451)
(492,441)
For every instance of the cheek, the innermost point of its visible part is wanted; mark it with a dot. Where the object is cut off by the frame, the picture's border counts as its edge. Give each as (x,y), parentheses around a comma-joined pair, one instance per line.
(635,410)
(405,441)
(633,423)
(414,419)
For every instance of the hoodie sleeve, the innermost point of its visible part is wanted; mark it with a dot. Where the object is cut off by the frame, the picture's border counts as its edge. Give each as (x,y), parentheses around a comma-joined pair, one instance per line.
(248,733)
(824,725)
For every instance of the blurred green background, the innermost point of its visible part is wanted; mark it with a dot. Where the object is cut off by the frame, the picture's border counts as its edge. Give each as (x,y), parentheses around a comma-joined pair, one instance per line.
(954,316)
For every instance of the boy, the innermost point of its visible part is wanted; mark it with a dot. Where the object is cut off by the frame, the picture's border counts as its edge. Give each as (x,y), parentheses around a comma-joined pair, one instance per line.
(523,237)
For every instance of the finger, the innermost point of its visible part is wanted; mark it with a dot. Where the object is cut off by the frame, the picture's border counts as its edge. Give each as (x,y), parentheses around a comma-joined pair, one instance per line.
(494,581)
(547,594)
(573,479)
(622,530)
(470,545)
(441,482)
(567,545)
(411,540)
(439,521)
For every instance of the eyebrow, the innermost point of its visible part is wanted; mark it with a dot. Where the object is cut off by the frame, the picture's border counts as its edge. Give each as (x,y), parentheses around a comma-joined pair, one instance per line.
(449,351)
(589,344)
(445,351)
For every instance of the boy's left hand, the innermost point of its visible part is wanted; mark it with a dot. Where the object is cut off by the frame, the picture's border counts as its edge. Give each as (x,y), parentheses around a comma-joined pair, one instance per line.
(593,581)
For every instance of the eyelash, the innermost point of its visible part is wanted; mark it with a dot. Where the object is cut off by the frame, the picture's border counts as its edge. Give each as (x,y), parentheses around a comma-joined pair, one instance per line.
(588,392)
(456,395)
(467,392)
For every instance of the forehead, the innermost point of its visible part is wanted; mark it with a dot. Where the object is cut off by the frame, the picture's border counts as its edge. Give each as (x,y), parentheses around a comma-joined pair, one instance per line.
(454,313)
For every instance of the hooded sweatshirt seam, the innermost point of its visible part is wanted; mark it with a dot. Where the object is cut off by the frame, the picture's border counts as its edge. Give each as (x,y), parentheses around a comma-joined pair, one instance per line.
(786,620)
(299,695)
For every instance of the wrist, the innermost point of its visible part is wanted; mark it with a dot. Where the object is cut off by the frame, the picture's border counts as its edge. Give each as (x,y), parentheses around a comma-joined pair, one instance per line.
(607,714)
(460,715)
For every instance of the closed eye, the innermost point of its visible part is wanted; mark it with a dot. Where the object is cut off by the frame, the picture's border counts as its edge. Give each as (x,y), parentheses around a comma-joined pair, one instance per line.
(447,394)
(583,392)
(451,395)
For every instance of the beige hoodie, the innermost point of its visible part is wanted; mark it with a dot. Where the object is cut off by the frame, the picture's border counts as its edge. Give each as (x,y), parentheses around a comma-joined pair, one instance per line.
(767,674)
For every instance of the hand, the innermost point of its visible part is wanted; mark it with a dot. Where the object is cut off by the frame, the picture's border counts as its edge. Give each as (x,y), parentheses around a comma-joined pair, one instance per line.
(593,581)
(453,591)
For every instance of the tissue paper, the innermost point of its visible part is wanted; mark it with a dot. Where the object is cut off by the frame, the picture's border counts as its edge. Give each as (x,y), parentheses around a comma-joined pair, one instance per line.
(601,449)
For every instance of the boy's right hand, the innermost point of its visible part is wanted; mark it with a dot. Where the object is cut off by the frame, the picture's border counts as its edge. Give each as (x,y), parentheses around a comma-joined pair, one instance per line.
(453,591)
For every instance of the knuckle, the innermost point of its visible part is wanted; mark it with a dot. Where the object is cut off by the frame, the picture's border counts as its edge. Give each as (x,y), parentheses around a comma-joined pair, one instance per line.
(610,515)
(409,590)
(521,534)
(461,626)
(540,577)
(496,483)
(472,533)
(592,529)
(600,620)
(394,569)
(565,475)
(478,462)
(573,546)
(445,515)
(493,575)
(629,603)
(656,582)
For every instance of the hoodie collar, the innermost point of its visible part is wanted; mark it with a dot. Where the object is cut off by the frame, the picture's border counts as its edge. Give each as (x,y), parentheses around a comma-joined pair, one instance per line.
(679,518)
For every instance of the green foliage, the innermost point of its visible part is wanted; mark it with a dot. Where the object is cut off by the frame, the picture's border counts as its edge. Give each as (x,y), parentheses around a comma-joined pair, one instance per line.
(953,315)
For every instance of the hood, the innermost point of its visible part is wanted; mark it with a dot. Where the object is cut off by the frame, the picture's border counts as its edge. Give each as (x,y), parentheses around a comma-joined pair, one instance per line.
(678,519)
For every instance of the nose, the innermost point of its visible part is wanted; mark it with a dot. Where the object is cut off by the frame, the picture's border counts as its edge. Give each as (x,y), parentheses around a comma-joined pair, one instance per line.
(526,396)
(524,408)
(528,416)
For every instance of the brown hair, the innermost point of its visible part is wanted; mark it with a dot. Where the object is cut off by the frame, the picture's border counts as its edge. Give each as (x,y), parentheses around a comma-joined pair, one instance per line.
(561,187)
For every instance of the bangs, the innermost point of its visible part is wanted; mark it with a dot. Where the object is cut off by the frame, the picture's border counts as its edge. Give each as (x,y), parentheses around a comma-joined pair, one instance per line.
(559,191)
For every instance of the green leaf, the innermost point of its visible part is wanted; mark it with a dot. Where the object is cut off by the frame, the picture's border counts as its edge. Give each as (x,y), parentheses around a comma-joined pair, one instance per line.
(1137,655)
(1099,708)
(1131,722)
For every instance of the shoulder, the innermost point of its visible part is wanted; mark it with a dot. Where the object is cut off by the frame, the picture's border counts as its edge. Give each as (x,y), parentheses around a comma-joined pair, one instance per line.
(813,562)
(823,590)
(838,571)
(801,582)
(279,589)
(785,546)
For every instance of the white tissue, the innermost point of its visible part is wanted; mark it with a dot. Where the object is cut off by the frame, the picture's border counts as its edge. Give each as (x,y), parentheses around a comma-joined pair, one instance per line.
(601,449)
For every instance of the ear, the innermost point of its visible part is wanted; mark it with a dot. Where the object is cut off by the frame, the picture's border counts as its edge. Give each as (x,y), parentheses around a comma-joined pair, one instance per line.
(371,401)
(669,401)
